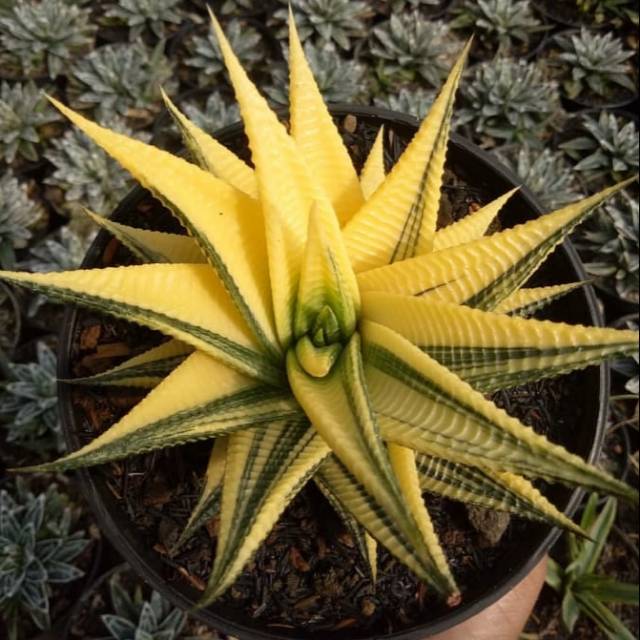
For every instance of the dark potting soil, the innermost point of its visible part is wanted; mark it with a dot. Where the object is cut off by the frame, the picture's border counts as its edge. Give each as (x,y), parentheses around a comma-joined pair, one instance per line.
(307,573)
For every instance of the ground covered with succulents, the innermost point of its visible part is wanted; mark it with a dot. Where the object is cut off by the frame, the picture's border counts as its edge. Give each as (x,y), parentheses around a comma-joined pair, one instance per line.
(551,90)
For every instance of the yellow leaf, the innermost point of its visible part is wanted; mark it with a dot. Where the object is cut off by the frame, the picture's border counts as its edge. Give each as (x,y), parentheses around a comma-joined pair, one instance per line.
(317,137)
(212,155)
(399,220)
(373,172)
(472,226)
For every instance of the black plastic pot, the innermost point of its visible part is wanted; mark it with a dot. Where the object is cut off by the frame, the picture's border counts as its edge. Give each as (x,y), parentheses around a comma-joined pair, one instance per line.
(481,170)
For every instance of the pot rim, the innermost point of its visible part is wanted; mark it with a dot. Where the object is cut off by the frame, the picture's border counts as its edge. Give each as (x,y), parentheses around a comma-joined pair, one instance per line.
(108,520)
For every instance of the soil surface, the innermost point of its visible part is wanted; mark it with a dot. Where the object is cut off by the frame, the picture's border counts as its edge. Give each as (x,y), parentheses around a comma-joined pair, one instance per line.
(307,574)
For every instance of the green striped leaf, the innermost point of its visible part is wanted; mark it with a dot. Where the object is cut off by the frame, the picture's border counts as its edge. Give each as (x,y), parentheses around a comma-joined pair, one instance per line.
(145,370)
(489,489)
(484,272)
(265,469)
(209,501)
(378,523)
(403,462)
(225,222)
(152,246)
(589,551)
(472,226)
(490,350)
(526,302)
(339,409)
(365,544)
(327,281)
(603,617)
(187,302)
(399,220)
(422,405)
(213,156)
(179,410)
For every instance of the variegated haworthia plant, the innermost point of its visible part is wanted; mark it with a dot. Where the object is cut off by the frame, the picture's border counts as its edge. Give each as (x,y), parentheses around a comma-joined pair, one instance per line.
(349,341)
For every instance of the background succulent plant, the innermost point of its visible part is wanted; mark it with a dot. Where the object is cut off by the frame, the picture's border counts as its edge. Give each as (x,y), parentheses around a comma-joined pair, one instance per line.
(205,54)
(583,591)
(337,21)
(609,246)
(139,15)
(18,214)
(45,35)
(500,24)
(415,102)
(135,618)
(216,113)
(238,7)
(123,79)
(396,6)
(508,100)
(606,146)
(29,403)
(407,48)
(37,550)
(339,80)
(545,171)
(85,174)
(61,250)
(594,62)
(24,116)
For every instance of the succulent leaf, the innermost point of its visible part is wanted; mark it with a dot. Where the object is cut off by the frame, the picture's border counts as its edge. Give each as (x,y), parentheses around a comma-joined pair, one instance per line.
(345,420)
(503,261)
(366,545)
(492,351)
(221,219)
(267,467)
(472,226)
(316,136)
(139,294)
(145,370)
(43,37)
(38,550)
(489,489)
(209,500)
(18,215)
(152,246)
(423,405)
(176,411)
(399,220)
(526,302)
(213,156)
(373,172)
(24,114)
(387,531)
